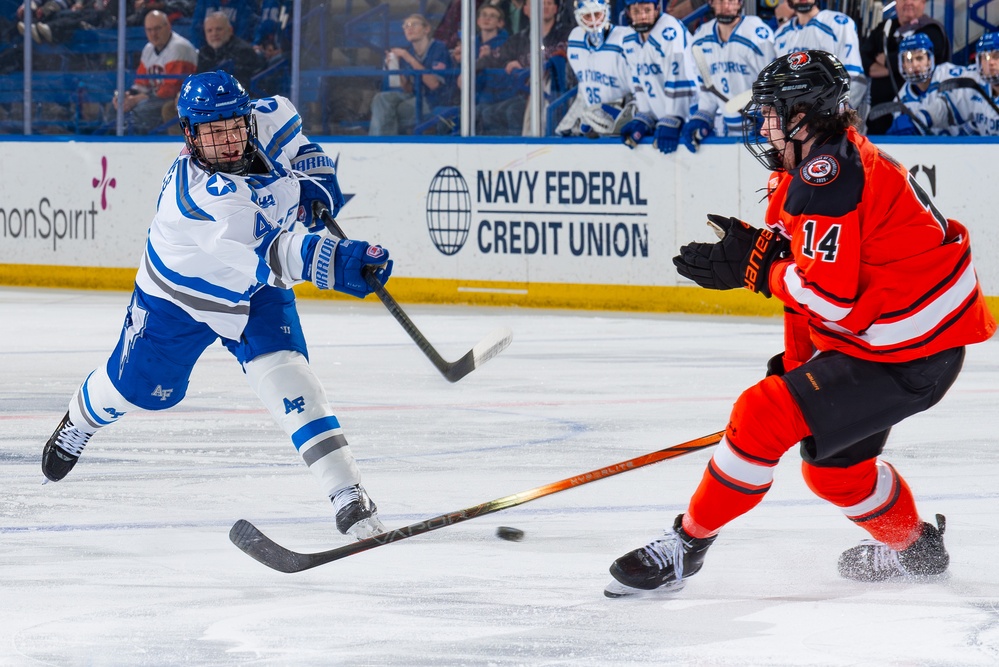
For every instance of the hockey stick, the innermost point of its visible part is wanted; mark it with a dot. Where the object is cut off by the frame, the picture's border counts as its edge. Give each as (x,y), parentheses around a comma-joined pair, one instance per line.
(968,82)
(453,371)
(885,108)
(248,537)
(707,82)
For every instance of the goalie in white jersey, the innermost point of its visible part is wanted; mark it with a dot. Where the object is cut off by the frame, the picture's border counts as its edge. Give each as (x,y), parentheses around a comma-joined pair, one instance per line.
(224,249)
(730,51)
(596,53)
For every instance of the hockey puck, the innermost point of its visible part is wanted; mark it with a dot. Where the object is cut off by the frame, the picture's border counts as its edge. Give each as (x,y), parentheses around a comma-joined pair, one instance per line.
(511,534)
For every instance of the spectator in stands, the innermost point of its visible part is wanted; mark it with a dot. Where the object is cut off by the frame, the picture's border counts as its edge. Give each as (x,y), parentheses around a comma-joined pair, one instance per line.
(274,28)
(223,50)
(82,15)
(42,12)
(273,78)
(506,116)
(490,32)
(175,10)
(447,30)
(394,111)
(242,15)
(880,56)
(150,101)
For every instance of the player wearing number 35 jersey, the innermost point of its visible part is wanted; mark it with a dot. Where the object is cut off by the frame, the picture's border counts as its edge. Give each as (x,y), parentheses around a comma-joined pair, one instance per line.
(880,296)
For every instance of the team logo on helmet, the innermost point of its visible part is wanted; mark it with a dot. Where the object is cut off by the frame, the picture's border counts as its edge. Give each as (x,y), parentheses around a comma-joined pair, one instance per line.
(798,60)
(820,171)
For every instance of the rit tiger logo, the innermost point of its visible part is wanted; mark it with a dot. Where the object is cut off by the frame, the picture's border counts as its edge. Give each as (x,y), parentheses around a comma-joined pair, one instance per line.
(297,404)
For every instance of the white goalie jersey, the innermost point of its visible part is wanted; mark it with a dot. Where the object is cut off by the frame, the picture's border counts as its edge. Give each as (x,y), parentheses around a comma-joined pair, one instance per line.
(665,74)
(732,67)
(603,74)
(217,238)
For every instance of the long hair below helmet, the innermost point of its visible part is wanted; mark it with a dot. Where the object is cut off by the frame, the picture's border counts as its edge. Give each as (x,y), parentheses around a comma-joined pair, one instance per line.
(812,83)
(215,96)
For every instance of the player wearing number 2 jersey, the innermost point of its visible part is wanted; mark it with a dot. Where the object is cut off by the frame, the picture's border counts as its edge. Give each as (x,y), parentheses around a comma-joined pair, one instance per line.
(880,296)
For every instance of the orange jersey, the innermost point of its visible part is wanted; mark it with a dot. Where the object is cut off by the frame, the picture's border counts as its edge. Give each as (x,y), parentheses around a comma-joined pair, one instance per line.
(878,272)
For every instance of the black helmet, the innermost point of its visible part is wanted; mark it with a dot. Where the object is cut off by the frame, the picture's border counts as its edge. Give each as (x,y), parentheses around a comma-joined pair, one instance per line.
(815,79)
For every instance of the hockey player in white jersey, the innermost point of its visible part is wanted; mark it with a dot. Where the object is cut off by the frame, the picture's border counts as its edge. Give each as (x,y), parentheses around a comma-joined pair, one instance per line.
(830,31)
(931,109)
(665,73)
(224,249)
(596,53)
(984,116)
(730,51)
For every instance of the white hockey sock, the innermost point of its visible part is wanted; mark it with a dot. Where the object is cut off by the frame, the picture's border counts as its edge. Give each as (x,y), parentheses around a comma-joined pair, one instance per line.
(285,383)
(97,403)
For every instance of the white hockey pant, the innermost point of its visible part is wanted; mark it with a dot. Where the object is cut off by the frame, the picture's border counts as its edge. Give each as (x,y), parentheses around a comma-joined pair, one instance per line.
(292,393)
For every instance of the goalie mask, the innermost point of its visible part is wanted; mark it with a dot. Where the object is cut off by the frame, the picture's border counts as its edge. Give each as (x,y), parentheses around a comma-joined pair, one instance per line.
(813,83)
(915,58)
(218,125)
(593,17)
(642,14)
(987,57)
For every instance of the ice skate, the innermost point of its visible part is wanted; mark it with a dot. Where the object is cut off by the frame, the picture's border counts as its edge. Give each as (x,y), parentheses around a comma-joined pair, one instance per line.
(63,450)
(874,561)
(661,566)
(356,513)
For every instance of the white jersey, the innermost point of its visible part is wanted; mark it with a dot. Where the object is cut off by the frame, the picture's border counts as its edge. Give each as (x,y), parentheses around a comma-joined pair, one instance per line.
(218,238)
(732,67)
(603,74)
(948,112)
(984,118)
(829,31)
(665,73)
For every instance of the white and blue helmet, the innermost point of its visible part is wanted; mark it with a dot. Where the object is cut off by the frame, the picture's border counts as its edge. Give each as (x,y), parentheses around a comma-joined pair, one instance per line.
(987,49)
(911,48)
(593,16)
(210,97)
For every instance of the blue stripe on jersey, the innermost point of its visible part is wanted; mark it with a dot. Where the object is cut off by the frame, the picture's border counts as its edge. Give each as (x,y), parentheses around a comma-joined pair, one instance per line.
(283,137)
(195,284)
(184,200)
(749,44)
(679,84)
(823,27)
(312,429)
(708,39)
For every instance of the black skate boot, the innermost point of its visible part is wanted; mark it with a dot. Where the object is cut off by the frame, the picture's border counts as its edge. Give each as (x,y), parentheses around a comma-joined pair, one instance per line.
(63,450)
(873,561)
(356,513)
(663,564)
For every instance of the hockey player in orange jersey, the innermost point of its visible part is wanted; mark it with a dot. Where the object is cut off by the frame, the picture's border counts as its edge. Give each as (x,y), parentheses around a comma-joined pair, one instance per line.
(880,298)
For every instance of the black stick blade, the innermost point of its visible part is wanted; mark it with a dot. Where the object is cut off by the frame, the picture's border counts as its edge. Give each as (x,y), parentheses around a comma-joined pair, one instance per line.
(255,544)
(484,350)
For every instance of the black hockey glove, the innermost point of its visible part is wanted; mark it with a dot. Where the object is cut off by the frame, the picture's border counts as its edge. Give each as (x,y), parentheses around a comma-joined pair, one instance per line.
(742,257)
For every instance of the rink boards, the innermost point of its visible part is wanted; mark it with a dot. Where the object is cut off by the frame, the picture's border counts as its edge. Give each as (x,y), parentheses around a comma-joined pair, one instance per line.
(540,223)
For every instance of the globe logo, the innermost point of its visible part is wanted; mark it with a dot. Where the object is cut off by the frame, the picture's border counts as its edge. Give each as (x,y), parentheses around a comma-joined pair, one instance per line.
(449,210)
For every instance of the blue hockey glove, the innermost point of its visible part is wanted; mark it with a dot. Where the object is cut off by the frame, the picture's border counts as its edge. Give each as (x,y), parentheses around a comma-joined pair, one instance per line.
(338,265)
(694,132)
(902,126)
(317,178)
(668,134)
(641,125)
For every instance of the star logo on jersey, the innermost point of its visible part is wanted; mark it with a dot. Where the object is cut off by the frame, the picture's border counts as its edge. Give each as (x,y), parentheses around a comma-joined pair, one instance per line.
(763,33)
(841,19)
(669,33)
(822,170)
(219,185)
(265,105)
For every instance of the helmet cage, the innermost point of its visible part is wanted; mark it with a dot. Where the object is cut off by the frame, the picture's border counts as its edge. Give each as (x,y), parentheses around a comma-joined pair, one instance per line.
(214,96)
(811,82)
(987,50)
(587,10)
(909,50)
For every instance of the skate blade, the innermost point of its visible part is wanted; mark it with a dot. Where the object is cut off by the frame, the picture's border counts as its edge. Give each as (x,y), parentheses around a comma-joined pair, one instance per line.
(366,528)
(616,589)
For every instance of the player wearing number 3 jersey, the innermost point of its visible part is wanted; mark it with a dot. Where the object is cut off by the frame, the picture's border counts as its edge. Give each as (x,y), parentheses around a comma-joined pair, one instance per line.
(880,296)
(233,232)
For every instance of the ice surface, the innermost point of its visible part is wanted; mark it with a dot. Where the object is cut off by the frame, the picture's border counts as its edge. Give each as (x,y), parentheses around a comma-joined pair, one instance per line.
(127,560)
